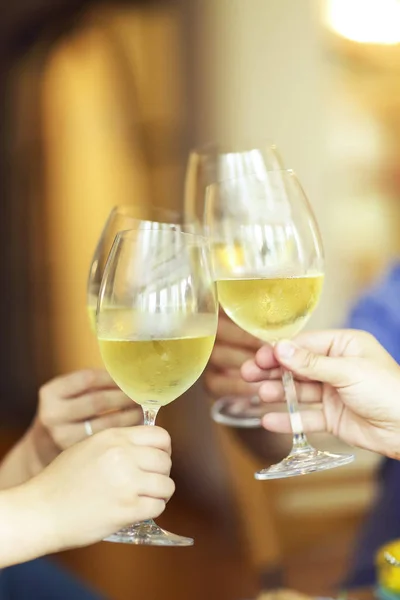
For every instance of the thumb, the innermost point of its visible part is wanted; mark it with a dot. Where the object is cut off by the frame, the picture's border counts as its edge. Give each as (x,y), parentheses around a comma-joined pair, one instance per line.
(333,370)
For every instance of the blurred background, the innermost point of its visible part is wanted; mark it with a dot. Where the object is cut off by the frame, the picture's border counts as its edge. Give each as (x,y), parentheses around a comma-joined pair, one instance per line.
(100,104)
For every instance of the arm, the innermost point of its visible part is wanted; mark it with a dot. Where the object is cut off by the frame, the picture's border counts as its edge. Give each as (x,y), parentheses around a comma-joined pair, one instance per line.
(22,461)
(116,477)
(23,529)
(380,318)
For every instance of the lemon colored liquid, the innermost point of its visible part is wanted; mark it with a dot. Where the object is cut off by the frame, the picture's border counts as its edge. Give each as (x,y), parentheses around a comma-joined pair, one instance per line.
(156,371)
(270,309)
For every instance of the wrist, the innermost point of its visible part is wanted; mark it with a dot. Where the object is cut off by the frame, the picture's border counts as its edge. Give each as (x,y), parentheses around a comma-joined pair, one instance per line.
(25,524)
(41,449)
(24,460)
(42,513)
(392,451)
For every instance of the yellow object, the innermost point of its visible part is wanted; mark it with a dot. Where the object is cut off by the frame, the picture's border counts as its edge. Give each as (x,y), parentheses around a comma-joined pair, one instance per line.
(388,567)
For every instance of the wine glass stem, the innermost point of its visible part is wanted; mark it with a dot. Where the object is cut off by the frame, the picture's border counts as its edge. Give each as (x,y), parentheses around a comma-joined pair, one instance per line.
(149,418)
(300,441)
(150,414)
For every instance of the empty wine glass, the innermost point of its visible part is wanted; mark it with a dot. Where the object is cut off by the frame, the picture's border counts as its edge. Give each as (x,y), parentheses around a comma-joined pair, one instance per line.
(269,266)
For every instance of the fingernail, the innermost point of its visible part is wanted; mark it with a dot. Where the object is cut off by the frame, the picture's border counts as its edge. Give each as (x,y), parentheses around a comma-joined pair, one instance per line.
(286,349)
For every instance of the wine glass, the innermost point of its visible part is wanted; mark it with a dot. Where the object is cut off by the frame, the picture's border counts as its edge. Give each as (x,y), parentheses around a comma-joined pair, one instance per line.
(269,266)
(120,218)
(207,165)
(156,324)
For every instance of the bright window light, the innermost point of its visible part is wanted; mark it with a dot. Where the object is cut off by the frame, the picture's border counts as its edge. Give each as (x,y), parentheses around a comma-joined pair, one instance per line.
(365,21)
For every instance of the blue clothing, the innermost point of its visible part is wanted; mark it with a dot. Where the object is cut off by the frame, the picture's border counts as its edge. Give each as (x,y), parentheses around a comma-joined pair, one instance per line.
(378,312)
(41,580)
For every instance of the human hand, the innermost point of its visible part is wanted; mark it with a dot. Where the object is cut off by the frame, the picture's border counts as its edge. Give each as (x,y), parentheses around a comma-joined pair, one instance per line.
(232,348)
(66,402)
(115,478)
(348,384)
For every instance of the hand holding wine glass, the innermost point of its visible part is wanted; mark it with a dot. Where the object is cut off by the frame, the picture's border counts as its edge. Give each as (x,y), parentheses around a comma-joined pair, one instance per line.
(347,384)
(88,491)
(156,325)
(268,262)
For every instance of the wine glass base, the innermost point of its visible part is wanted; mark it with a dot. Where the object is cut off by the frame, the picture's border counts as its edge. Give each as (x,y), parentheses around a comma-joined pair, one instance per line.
(304,463)
(236,411)
(148,534)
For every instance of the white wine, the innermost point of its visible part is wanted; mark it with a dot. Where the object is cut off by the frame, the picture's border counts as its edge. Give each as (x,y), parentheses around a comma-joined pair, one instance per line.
(270,309)
(156,371)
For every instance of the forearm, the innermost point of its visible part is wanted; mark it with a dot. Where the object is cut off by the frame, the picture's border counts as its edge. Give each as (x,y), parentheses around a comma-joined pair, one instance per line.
(24,533)
(15,468)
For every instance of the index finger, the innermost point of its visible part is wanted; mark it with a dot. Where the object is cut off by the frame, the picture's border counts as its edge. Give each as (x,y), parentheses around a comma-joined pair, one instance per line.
(325,343)
(263,366)
(336,342)
(79,382)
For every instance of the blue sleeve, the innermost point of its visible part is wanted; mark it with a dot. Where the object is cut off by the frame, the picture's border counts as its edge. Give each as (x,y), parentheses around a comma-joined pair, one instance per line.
(42,579)
(380,316)
(372,316)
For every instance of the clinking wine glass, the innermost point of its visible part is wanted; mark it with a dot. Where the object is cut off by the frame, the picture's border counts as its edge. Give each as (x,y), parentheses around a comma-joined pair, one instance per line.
(122,217)
(211,164)
(269,266)
(156,324)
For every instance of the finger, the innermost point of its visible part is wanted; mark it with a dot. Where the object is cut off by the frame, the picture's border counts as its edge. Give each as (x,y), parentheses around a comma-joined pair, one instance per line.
(265,358)
(322,342)
(337,342)
(146,508)
(124,418)
(219,385)
(307,392)
(229,333)
(154,460)
(145,435)
(67,435)
(251,372)
(229,357)
(313,422)
(94,404)
(156,486)
(79,382)
(301,361)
